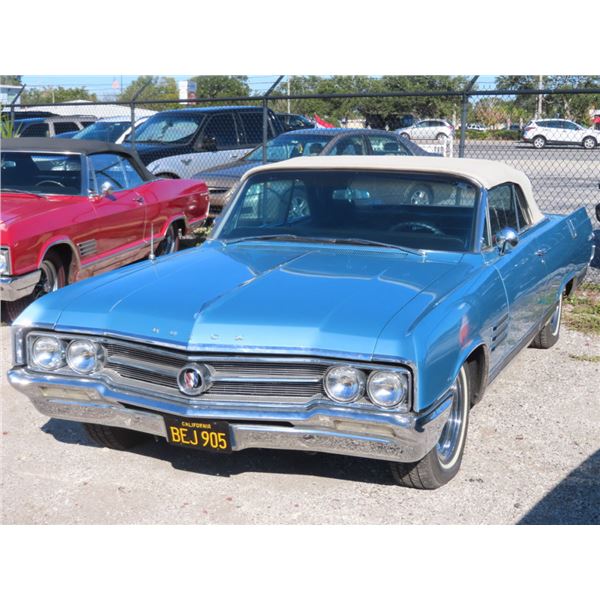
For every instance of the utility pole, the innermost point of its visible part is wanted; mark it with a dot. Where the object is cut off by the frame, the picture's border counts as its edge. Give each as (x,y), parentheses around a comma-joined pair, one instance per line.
(288,88)
(539,102)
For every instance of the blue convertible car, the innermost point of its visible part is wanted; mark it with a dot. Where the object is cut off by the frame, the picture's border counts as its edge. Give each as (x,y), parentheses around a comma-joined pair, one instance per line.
(353,305)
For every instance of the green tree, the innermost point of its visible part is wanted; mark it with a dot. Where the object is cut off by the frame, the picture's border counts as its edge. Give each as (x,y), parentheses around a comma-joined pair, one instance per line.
(217,86)
(157,88)
(577,106)
(51,95)
(11,80)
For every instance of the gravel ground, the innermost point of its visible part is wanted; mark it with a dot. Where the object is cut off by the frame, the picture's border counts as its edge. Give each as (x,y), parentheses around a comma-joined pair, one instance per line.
(533,456)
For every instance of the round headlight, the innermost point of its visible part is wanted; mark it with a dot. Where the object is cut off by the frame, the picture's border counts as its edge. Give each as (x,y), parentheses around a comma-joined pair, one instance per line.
(48,353)
(344,384)
(84,356)
(387,389)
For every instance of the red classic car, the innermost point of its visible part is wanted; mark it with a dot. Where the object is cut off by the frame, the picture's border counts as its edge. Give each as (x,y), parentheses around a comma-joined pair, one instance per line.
(75,208)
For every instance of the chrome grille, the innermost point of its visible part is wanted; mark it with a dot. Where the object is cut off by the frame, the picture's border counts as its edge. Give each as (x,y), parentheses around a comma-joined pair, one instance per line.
(239,378)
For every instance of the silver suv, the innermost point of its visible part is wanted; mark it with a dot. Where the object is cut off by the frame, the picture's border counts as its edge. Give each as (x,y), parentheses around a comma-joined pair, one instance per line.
(540,132)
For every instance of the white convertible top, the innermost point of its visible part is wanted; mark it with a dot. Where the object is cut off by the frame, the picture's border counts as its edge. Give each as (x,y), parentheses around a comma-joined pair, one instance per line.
(488,173)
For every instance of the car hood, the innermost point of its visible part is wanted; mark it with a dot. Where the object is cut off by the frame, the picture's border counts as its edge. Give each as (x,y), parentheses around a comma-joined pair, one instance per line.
(17,207)
(229,172)
(247,297)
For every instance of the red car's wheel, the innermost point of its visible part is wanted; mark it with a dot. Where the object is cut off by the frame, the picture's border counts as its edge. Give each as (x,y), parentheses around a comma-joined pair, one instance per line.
(53,276)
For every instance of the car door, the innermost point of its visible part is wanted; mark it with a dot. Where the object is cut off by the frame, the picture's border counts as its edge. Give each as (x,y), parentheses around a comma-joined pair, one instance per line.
(120,212)
(216,144)
(521,268)
(573,132)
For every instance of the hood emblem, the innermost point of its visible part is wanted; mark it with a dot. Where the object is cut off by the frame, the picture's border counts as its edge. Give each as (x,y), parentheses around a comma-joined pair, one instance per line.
(194,379)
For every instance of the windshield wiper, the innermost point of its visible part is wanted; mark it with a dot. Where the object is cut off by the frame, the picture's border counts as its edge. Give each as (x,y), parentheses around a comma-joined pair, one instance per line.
(288,237)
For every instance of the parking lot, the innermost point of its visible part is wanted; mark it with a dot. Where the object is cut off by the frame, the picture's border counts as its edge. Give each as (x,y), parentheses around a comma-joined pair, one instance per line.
(532,457)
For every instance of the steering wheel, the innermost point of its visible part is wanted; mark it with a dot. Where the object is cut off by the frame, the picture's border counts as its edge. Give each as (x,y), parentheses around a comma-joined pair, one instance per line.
(408,225)
(58,183)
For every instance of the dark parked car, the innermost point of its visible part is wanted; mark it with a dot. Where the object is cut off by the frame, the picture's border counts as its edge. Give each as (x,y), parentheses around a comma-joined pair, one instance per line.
(306,142)
(292,122)
(179,143)
(51,126)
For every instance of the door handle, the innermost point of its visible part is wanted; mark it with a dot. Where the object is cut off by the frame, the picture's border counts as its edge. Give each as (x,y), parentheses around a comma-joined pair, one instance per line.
(540,252)
(140,199)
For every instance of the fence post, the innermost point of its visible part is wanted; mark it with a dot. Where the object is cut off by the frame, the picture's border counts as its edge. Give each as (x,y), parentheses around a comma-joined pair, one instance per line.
(463,117)
(133,101)
(265,112)
(463,125)
(12,109)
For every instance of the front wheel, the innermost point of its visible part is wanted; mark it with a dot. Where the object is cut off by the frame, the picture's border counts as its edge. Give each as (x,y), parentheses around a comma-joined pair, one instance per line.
(52,277)
(589,143)
(443,461)
(114,437)
(441,137)
(405,136)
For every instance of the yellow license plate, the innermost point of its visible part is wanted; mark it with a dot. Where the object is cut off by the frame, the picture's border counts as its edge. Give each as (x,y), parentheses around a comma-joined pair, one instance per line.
(214,436)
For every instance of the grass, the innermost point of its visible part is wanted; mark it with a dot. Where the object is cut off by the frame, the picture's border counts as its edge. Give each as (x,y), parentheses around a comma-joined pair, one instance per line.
(582,310)
(585,357)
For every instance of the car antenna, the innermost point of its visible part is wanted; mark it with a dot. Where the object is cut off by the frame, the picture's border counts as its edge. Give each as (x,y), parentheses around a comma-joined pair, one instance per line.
(152,256)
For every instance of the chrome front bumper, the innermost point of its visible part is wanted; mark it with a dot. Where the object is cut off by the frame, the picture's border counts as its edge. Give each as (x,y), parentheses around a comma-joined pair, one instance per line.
(14,287)
(321,427)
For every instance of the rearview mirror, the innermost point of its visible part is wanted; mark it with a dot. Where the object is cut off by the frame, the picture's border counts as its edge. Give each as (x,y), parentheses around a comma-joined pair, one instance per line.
(506,239)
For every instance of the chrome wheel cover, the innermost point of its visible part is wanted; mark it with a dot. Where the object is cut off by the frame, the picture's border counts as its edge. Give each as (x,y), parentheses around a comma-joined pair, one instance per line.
(48,279)
(452,437)
(555,320)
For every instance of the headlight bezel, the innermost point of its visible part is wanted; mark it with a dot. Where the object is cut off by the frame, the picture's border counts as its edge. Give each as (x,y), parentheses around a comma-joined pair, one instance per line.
(66,340)
(404,383)
(36,363)
(98,353)
(364,399)
(361,383)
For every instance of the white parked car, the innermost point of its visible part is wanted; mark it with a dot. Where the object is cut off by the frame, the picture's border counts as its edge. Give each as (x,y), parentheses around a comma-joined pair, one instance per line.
(540,132)
(428,129)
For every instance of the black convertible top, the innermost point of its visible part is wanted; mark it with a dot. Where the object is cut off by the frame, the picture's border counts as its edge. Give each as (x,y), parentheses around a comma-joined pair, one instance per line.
(42,144)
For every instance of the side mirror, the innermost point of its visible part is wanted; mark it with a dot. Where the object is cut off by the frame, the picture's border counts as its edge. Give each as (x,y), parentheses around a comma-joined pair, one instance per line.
(506,240)
(598,211)
(106,189)
(208,144)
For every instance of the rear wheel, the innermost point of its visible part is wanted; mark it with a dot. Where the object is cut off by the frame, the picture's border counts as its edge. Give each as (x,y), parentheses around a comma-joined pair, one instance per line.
(405,136)
(52,277)
(167,175)
(589,143)
(550,333)
(443,461)
(114,437)
(539,141)
(170,243)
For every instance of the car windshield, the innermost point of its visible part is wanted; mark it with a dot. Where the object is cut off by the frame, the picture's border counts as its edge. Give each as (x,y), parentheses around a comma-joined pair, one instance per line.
(41,173)
(106,131)
(168,129)
(289,146)
(417,211)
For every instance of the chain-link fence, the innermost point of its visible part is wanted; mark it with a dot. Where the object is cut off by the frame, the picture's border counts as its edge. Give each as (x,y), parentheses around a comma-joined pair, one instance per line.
(218,139)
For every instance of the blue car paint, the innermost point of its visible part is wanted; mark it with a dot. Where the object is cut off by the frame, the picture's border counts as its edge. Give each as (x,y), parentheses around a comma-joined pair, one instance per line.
(366,303)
